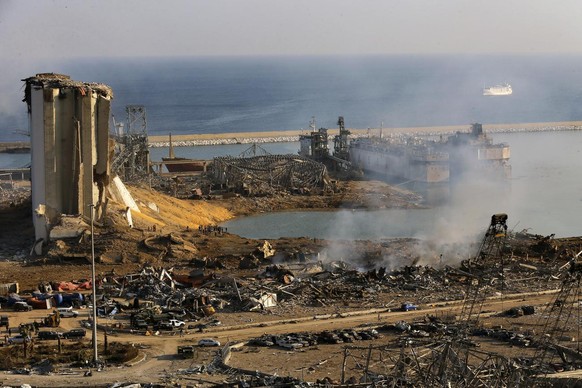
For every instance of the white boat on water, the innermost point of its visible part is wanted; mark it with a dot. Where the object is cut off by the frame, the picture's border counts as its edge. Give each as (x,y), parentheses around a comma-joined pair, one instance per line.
(498,90)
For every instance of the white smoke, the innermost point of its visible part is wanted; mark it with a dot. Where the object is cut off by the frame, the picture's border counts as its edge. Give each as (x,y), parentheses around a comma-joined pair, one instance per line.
(451,233)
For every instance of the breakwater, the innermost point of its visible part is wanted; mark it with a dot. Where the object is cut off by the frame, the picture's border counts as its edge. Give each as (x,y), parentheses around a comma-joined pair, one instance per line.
(225,141)
(293,136)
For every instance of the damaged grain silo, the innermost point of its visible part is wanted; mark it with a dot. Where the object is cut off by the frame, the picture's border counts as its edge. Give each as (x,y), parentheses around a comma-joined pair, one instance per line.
(270,174)
(69,130)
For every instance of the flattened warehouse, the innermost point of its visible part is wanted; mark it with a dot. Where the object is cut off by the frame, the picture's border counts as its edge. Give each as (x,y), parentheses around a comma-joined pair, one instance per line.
(262,175)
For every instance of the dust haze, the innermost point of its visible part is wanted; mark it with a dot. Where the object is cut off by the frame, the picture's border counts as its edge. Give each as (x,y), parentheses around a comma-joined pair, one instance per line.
(452,231)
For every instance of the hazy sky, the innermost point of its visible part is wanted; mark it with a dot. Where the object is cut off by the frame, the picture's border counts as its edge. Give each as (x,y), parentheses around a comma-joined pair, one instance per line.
(40,35)
(62,29)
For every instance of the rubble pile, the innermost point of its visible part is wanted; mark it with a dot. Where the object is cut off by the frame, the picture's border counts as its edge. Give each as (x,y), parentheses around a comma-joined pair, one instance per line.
(191,187)
(12,194)
(271,174)
(169,245)
(15,209)
(202,291)
(251,282)
(528,262)
(332,283)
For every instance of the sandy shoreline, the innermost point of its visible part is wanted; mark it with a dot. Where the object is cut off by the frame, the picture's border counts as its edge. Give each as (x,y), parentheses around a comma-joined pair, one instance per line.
(292,135)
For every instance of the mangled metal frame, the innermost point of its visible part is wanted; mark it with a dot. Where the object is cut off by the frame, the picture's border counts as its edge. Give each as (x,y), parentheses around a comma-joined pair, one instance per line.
(267,174)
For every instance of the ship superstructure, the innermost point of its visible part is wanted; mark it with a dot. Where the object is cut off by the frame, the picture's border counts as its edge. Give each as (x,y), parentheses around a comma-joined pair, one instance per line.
(475,153)
(314,145)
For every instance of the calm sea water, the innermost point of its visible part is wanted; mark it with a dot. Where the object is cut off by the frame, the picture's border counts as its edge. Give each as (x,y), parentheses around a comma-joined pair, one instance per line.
(213,95)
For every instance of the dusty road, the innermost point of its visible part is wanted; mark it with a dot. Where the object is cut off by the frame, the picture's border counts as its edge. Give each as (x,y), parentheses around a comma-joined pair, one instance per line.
(160,364)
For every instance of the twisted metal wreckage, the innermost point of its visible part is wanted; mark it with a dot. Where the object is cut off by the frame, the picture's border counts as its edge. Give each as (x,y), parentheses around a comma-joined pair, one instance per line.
(430,354)
(440,354)
(266,174)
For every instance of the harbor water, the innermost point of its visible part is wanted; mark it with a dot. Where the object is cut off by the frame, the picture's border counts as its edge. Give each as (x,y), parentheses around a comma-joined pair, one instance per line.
(543,196)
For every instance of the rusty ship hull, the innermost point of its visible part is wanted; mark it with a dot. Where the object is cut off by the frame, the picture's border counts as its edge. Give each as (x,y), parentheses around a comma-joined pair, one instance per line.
(178,165)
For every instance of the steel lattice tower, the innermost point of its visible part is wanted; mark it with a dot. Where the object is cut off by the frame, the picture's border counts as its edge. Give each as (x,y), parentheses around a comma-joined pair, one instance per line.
(132,158)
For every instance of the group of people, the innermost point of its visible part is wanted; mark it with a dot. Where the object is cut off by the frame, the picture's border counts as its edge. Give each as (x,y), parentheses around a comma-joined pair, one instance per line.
(208,229)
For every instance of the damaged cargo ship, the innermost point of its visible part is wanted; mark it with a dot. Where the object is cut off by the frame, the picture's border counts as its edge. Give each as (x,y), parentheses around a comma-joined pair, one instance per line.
(177,165)
(422,160)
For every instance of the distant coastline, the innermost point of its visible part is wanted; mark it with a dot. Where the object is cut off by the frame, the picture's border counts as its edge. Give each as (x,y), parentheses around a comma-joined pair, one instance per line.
(293,135)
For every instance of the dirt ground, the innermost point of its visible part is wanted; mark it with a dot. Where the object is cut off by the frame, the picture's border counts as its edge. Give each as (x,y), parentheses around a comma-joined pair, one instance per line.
(161,364)
(167,233)
(119,248)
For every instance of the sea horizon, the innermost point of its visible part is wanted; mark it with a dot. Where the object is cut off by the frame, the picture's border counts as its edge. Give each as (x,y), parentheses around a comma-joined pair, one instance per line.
(232,94)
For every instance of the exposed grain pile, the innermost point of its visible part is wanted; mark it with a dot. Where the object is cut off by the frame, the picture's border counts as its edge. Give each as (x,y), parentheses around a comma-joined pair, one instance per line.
(173,211)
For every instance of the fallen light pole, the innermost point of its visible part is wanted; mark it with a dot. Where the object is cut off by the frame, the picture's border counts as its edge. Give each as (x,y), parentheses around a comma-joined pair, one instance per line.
(94,288)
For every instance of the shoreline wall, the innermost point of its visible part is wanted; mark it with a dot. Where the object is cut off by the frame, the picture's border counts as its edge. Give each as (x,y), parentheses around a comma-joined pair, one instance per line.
(293,135)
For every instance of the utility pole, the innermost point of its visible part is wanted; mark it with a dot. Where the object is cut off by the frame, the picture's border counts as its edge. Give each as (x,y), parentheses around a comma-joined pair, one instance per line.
(95,357)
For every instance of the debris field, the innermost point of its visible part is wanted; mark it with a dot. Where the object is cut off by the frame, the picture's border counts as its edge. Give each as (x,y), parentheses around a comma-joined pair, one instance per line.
(185,283)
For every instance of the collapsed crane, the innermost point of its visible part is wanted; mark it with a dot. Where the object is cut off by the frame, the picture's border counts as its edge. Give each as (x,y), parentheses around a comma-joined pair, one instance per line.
(482,270)
(560,318)
(451,361)
(424,363)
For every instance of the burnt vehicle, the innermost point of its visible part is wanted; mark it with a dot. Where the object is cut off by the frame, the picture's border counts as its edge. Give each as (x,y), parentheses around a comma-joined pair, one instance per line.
(75,334)
(21,306)
(49,335)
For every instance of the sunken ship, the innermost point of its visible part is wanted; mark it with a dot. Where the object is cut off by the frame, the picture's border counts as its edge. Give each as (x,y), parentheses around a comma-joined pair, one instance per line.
(431,161)
(411,158)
